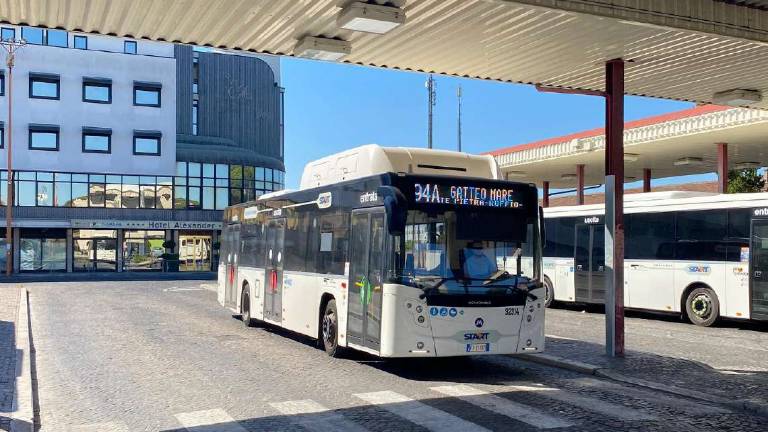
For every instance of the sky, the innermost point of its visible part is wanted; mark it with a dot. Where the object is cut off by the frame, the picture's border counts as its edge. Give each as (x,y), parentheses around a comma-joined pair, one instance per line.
(330,107)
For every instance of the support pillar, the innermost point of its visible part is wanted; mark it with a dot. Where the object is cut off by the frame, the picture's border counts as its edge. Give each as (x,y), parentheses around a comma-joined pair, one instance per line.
(70,250)
(580,184)
(722,167)
(646,179)
(614,207)
(545,194)
(120,251)
(16,233)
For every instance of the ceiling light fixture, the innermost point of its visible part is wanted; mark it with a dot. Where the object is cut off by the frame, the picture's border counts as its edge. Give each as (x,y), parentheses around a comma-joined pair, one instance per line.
(568,176)
(689,161)
(370,18)
(319,48)
(631,157)
(737,97)
(746,165)
(516,174)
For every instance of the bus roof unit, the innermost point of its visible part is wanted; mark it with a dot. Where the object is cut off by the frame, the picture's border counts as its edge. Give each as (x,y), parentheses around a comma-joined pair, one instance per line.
(374,159)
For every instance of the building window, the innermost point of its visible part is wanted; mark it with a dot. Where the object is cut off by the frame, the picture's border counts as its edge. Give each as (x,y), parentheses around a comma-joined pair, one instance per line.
(44,86)
(195,106)
(8,33)
(2,83)
(146,143)
(130,47)
(81,42)
(44,137)
(32,35)
(146,94)
(57,38)
(97,140)
(2,135)
(97,90)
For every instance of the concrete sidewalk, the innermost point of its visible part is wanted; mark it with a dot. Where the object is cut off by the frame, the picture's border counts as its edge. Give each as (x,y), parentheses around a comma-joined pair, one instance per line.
(690,373)
(9,307)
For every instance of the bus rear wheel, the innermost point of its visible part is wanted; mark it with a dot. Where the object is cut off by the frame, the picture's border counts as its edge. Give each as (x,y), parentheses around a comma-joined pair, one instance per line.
(330,329)
(702,306)
(549,292)
(245,307)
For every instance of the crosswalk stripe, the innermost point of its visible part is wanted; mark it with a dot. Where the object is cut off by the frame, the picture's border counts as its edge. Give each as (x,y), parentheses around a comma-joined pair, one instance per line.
(99,427)
(502,406)
(214,420)
(418,413)
(655,397)
(315,417)
(590,404)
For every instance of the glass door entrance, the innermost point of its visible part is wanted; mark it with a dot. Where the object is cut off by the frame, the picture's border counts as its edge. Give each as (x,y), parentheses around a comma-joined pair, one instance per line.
(758,278)
(194,252)
(94,250)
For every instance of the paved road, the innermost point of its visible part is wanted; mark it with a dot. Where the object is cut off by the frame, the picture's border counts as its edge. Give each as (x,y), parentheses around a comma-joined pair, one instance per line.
(163,356)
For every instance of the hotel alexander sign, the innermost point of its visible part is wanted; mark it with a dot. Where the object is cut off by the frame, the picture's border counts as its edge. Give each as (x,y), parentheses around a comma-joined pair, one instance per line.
(150,225)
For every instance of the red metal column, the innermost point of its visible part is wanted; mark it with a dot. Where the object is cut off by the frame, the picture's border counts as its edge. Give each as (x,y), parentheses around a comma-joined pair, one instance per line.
(722,167)
(646,179)
(580,184)
(614,166)
(545,194)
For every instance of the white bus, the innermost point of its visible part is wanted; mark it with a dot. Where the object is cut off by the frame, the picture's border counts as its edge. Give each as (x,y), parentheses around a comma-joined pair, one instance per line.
(702,255)
(392,251)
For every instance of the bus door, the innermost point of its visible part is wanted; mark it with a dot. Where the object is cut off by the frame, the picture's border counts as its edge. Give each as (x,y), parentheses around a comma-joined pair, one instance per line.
(758,279)
(232,236)
(589,263)
(366,277)
(273,293)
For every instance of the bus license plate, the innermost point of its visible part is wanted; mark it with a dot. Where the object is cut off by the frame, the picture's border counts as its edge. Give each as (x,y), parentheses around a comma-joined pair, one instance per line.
(479,347)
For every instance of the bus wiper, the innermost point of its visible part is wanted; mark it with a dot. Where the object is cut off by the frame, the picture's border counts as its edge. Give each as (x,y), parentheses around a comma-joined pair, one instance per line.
(499,275)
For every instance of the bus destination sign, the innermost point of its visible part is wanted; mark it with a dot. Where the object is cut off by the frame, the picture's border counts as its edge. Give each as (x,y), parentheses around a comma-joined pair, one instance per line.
(463,195)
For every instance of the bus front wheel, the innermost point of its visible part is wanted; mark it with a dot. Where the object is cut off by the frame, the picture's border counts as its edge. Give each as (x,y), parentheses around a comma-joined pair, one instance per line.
(330,329)
(702,306)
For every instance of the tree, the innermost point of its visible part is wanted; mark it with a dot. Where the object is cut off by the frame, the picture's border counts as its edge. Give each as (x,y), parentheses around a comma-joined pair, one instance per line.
(745,180)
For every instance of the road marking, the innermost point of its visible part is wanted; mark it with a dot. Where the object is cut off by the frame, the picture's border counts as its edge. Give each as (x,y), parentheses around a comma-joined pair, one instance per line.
(652,396)
(175,289)
(419,413)
(590,404)
(215,420)
(100,427)
(502,406)
(315,417)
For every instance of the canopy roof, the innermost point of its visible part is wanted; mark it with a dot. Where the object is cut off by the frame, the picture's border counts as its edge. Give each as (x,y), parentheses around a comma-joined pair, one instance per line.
(682,49)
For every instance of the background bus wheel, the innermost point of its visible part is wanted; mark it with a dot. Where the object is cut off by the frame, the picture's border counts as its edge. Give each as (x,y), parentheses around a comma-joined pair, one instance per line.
(549,292)
(702,306)
(329,327)
(246,308)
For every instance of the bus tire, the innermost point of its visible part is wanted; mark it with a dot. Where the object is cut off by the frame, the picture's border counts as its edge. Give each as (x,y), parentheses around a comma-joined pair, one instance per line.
(702,306)
(549,292)
(329,329)
(245,308)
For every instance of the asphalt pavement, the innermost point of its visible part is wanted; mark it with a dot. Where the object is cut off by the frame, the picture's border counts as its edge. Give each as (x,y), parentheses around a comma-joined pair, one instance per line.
(164,356)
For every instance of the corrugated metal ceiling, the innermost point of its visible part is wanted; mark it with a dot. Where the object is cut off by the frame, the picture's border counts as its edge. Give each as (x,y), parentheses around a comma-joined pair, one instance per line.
(488,39)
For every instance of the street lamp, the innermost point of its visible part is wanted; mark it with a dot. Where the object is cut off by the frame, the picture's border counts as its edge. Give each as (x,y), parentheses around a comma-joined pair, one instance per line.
(10,46)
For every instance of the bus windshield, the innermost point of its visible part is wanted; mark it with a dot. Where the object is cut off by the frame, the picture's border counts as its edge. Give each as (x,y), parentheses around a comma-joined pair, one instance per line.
(453,252)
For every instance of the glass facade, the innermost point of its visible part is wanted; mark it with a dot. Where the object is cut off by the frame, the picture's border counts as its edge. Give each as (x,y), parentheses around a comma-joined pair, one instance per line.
(195,251)
(42,250)
(195,186)
(94,250)
(142,250)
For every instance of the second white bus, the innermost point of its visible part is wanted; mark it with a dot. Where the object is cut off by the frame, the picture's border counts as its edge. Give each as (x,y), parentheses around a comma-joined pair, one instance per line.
(698,254)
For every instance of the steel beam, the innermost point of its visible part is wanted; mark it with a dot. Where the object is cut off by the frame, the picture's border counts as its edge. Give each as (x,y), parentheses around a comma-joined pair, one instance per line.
(580,184)
(646,179)
(545,194)
(722,167)
(614,207)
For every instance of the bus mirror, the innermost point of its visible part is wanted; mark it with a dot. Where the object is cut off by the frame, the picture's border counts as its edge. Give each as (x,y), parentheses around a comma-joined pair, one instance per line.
(396,207)
(542,230)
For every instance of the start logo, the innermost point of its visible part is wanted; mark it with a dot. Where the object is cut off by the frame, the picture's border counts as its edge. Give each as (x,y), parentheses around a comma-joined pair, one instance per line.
(475,336)
(698,268)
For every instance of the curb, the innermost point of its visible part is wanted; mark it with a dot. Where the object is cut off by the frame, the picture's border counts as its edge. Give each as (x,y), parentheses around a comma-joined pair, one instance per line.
(746,406)
(22,418)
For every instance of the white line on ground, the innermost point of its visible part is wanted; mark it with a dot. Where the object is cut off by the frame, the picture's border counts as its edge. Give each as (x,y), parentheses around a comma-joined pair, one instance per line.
(419,413)
(215,420)
(314,417)
(502,406)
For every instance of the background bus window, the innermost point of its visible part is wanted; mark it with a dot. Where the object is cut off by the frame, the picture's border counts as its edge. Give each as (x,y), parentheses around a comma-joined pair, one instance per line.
(295,241)
(559,236)
(701,235)
(333,261)
(649,236)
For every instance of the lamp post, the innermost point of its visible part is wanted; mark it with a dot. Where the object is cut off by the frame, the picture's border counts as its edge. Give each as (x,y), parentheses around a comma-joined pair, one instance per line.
(10,46)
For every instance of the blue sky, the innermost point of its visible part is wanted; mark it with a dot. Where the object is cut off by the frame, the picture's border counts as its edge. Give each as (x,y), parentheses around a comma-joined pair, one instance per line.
(332,107)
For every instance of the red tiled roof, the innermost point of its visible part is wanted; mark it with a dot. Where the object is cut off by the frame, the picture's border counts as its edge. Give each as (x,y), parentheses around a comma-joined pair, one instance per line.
(677,115)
